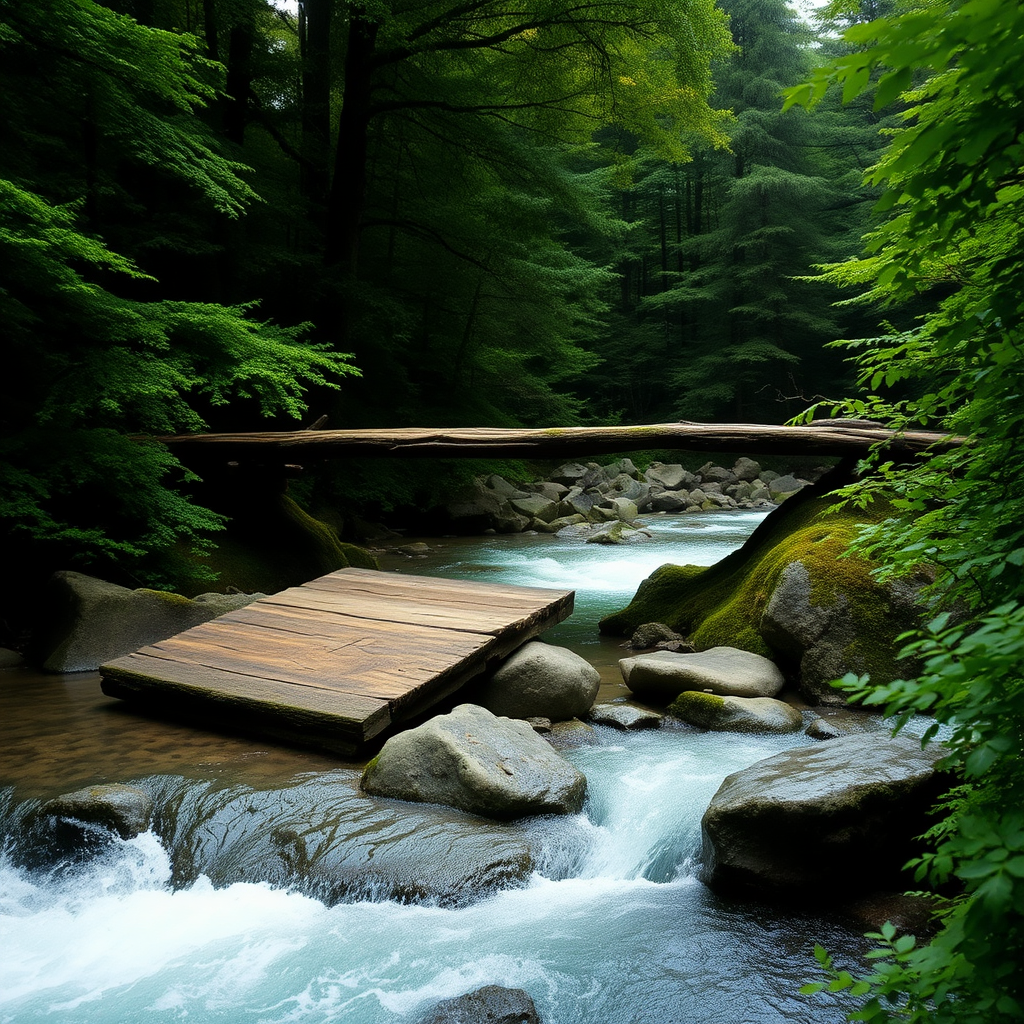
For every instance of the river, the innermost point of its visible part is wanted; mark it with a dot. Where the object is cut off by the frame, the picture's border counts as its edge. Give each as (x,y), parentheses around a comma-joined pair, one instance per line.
(613,926)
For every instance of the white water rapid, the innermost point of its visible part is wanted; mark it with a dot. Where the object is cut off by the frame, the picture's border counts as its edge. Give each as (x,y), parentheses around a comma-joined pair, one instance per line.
(614,926)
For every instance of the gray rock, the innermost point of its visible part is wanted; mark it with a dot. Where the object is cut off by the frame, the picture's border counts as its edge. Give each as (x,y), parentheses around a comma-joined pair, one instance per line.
(842,813)
(726,671)
(414,550)
(489,1005)
(536,506)
(578,532)
(672,477)
(89,621)
(470,759)
(613,469)
(768,475)
(576,503)
(125,810)
(820,635)
(623,508)
(736,714)
(823,729)
(627,717)
(558,524)
(549,489)
(570,734)
(618,532)
(570,474)
(782,487)
(503,488)
(746,469)
(650,634)
(716,474)
(541,680)
(670,501)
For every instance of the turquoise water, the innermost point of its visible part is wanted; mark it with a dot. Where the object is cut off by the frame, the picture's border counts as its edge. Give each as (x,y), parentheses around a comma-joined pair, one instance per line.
(613,927)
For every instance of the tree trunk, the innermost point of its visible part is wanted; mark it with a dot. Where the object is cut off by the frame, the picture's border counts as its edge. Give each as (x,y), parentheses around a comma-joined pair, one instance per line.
(239,80)
(348,189)
(315,49)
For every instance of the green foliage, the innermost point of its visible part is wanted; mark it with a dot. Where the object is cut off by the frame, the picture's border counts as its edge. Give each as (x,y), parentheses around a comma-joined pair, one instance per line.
(953,231)
(88,359)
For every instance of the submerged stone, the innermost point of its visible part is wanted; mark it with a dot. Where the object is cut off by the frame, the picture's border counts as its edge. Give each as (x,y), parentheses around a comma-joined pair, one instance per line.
(736,714)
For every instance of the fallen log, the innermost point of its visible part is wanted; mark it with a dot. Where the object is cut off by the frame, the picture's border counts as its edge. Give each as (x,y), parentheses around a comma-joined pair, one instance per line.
(826,438)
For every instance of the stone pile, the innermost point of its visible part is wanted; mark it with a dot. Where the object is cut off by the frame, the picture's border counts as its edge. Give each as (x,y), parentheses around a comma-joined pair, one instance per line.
(600,504)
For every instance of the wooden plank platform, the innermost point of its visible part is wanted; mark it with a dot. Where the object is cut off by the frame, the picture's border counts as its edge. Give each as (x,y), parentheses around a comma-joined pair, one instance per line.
(336,662)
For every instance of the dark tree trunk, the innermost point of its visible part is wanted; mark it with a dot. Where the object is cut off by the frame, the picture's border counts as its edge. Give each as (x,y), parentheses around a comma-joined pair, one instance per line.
(210,29)
(239,80)
(315,47)
(348,189)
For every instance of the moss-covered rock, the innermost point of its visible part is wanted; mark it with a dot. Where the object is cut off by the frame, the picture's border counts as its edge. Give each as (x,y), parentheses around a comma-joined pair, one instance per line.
(790,594)
(736,714)
(273,543)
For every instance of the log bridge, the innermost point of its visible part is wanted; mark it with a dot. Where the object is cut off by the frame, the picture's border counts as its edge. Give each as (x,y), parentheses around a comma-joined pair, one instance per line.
(338,661)
(335,663)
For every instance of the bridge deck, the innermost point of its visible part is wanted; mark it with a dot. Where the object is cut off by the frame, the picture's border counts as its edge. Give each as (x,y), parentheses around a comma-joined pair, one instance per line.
(335,662)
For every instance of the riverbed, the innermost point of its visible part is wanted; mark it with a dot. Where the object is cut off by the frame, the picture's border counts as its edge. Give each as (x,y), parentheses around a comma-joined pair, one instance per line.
(613,926)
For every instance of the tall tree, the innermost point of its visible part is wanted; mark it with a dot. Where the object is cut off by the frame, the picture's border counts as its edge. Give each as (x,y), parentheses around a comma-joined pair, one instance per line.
(101,119)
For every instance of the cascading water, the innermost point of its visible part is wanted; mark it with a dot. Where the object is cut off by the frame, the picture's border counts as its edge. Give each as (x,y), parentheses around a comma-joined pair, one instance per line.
(613,926)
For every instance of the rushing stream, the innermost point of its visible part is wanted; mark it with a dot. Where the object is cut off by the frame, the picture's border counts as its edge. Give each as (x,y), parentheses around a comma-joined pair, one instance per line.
(612,927)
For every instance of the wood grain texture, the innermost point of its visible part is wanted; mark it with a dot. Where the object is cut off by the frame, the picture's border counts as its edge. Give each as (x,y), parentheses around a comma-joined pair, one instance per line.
(333,663)
(827,437)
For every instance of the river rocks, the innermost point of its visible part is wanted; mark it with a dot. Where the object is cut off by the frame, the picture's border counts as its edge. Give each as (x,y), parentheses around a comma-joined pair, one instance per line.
(89,621)
(790,594)
(736,714)
(650,634)
(319,835)
(725,671)
(489,1005)
(470,759)
(839,813)
(540,680)
(627,717)
(617,533)
(617,491)
(124,810)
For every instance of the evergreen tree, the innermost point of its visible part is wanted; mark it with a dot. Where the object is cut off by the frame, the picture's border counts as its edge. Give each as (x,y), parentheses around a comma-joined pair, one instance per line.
(101,131)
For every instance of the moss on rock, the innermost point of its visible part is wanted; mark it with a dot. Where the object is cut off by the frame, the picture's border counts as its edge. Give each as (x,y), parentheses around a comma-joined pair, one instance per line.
(725,604)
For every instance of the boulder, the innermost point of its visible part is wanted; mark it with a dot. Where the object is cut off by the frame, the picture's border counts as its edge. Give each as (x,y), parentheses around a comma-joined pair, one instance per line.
(843,813)
(670,501)
(792,594)
(650,634)
(557,524)
(570,474)
(124,810)
(746,469)
(613,469)
(725,671)
(540,680)
(716,475)
(819,631)
(618,532)
(501,487)
(623,508)
(736,714)
(782,487)
(495,767)
(536,506)
(89,621)
(672,477)
(573,733)
(627,717)
(576,502)
(489,1005)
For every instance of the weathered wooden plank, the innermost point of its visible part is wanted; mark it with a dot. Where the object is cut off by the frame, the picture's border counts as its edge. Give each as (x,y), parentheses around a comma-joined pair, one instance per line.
(827,437)
(334,662)
(296,709)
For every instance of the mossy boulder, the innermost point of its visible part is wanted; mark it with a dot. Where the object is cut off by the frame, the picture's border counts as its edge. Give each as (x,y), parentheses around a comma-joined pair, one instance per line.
(272,543)
(736,714)
(790,594)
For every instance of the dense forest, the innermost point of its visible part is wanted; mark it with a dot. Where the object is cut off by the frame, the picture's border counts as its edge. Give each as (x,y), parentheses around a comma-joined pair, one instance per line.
(223,214)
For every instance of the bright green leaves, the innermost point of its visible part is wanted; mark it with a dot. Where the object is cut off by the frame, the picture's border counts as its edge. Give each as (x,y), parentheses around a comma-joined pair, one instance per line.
(955,230)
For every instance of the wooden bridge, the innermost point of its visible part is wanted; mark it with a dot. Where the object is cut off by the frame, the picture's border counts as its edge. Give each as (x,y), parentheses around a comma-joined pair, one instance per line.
(336,662)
